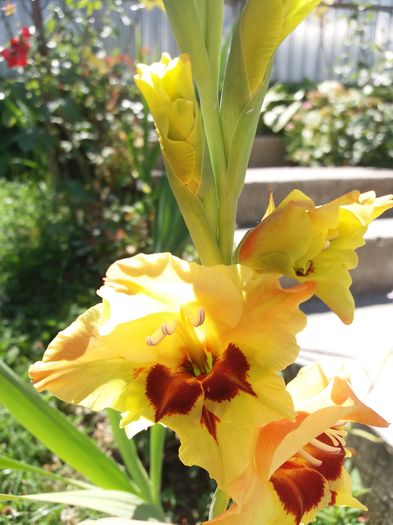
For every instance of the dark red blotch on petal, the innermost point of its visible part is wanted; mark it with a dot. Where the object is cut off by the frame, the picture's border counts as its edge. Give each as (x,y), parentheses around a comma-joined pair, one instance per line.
(228,376)
(299,486)
(170,392)
(176,392)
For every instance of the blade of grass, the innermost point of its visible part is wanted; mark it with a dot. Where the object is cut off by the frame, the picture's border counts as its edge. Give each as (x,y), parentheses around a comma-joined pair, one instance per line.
(130,456)
(54,430)
(13,464)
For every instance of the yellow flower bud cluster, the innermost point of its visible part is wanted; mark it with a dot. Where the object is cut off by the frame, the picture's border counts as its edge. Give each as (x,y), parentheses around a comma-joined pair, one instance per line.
(169,92)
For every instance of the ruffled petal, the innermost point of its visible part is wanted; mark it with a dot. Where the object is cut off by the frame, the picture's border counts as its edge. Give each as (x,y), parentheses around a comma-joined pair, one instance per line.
(266,332)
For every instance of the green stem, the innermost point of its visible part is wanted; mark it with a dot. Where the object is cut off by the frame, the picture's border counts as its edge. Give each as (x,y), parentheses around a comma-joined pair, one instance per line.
(209,11)
(227,225)
(212,123)
(218,504)
(203,45)
(157,442)
(130,456)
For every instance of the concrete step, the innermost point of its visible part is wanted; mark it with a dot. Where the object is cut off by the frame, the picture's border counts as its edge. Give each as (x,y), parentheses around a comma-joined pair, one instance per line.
(321,184)
(374,273)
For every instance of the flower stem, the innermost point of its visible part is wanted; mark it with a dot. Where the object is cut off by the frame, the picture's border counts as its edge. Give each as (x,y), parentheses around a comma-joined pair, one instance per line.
(157,442)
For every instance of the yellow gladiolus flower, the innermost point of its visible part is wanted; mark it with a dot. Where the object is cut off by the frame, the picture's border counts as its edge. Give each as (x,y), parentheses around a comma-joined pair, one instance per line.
(315,243)
(196,348)
(298,466)
(169,92)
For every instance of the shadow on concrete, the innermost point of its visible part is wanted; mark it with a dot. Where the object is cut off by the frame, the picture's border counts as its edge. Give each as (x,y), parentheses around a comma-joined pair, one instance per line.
(315,306)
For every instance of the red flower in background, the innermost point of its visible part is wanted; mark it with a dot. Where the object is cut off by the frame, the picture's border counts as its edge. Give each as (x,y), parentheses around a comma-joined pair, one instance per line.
(17,52)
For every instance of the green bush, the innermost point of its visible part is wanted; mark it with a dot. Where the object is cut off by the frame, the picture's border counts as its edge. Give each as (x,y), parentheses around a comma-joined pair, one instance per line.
(73,120)
(334,124)
(341,126)
(36,234)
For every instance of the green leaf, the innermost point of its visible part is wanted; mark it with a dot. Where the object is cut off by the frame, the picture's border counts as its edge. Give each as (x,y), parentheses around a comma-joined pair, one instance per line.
(169,231)
(366,435)
(118,521)
(218,504)
(113,502)
(129,454)
(157,442)
(242,137)
(211,14)
(13,464)
(186,25)
(54,430)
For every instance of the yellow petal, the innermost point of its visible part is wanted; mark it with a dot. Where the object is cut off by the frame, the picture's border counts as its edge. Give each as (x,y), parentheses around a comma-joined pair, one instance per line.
(227,457)
(312,390)
(79,367)
(271,323)
(276,243)
(343,487)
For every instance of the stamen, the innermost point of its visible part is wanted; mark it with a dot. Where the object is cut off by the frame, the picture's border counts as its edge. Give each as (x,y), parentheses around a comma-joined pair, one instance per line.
(196,319)
(326,245)
(324,446)
(308,457)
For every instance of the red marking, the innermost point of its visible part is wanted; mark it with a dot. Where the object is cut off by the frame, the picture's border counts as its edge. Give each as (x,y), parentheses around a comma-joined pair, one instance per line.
(137,372)
(228,376)
(170,392)
(333,498)
(304,273)
(210,421)
(299,486)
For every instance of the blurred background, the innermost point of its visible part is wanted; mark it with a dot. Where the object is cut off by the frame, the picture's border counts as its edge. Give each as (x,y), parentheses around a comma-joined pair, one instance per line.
(80,169)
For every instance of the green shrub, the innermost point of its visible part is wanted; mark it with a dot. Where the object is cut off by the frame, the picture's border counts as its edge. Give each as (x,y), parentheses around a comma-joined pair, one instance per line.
(341,126)
(334,124)
(36,234)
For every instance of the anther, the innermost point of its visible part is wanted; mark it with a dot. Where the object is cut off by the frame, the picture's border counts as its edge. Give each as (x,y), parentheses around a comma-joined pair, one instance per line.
(155,338)
(324,446)
(198,318)
(158,335)
(169,328)
(336,436)
(308,457)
